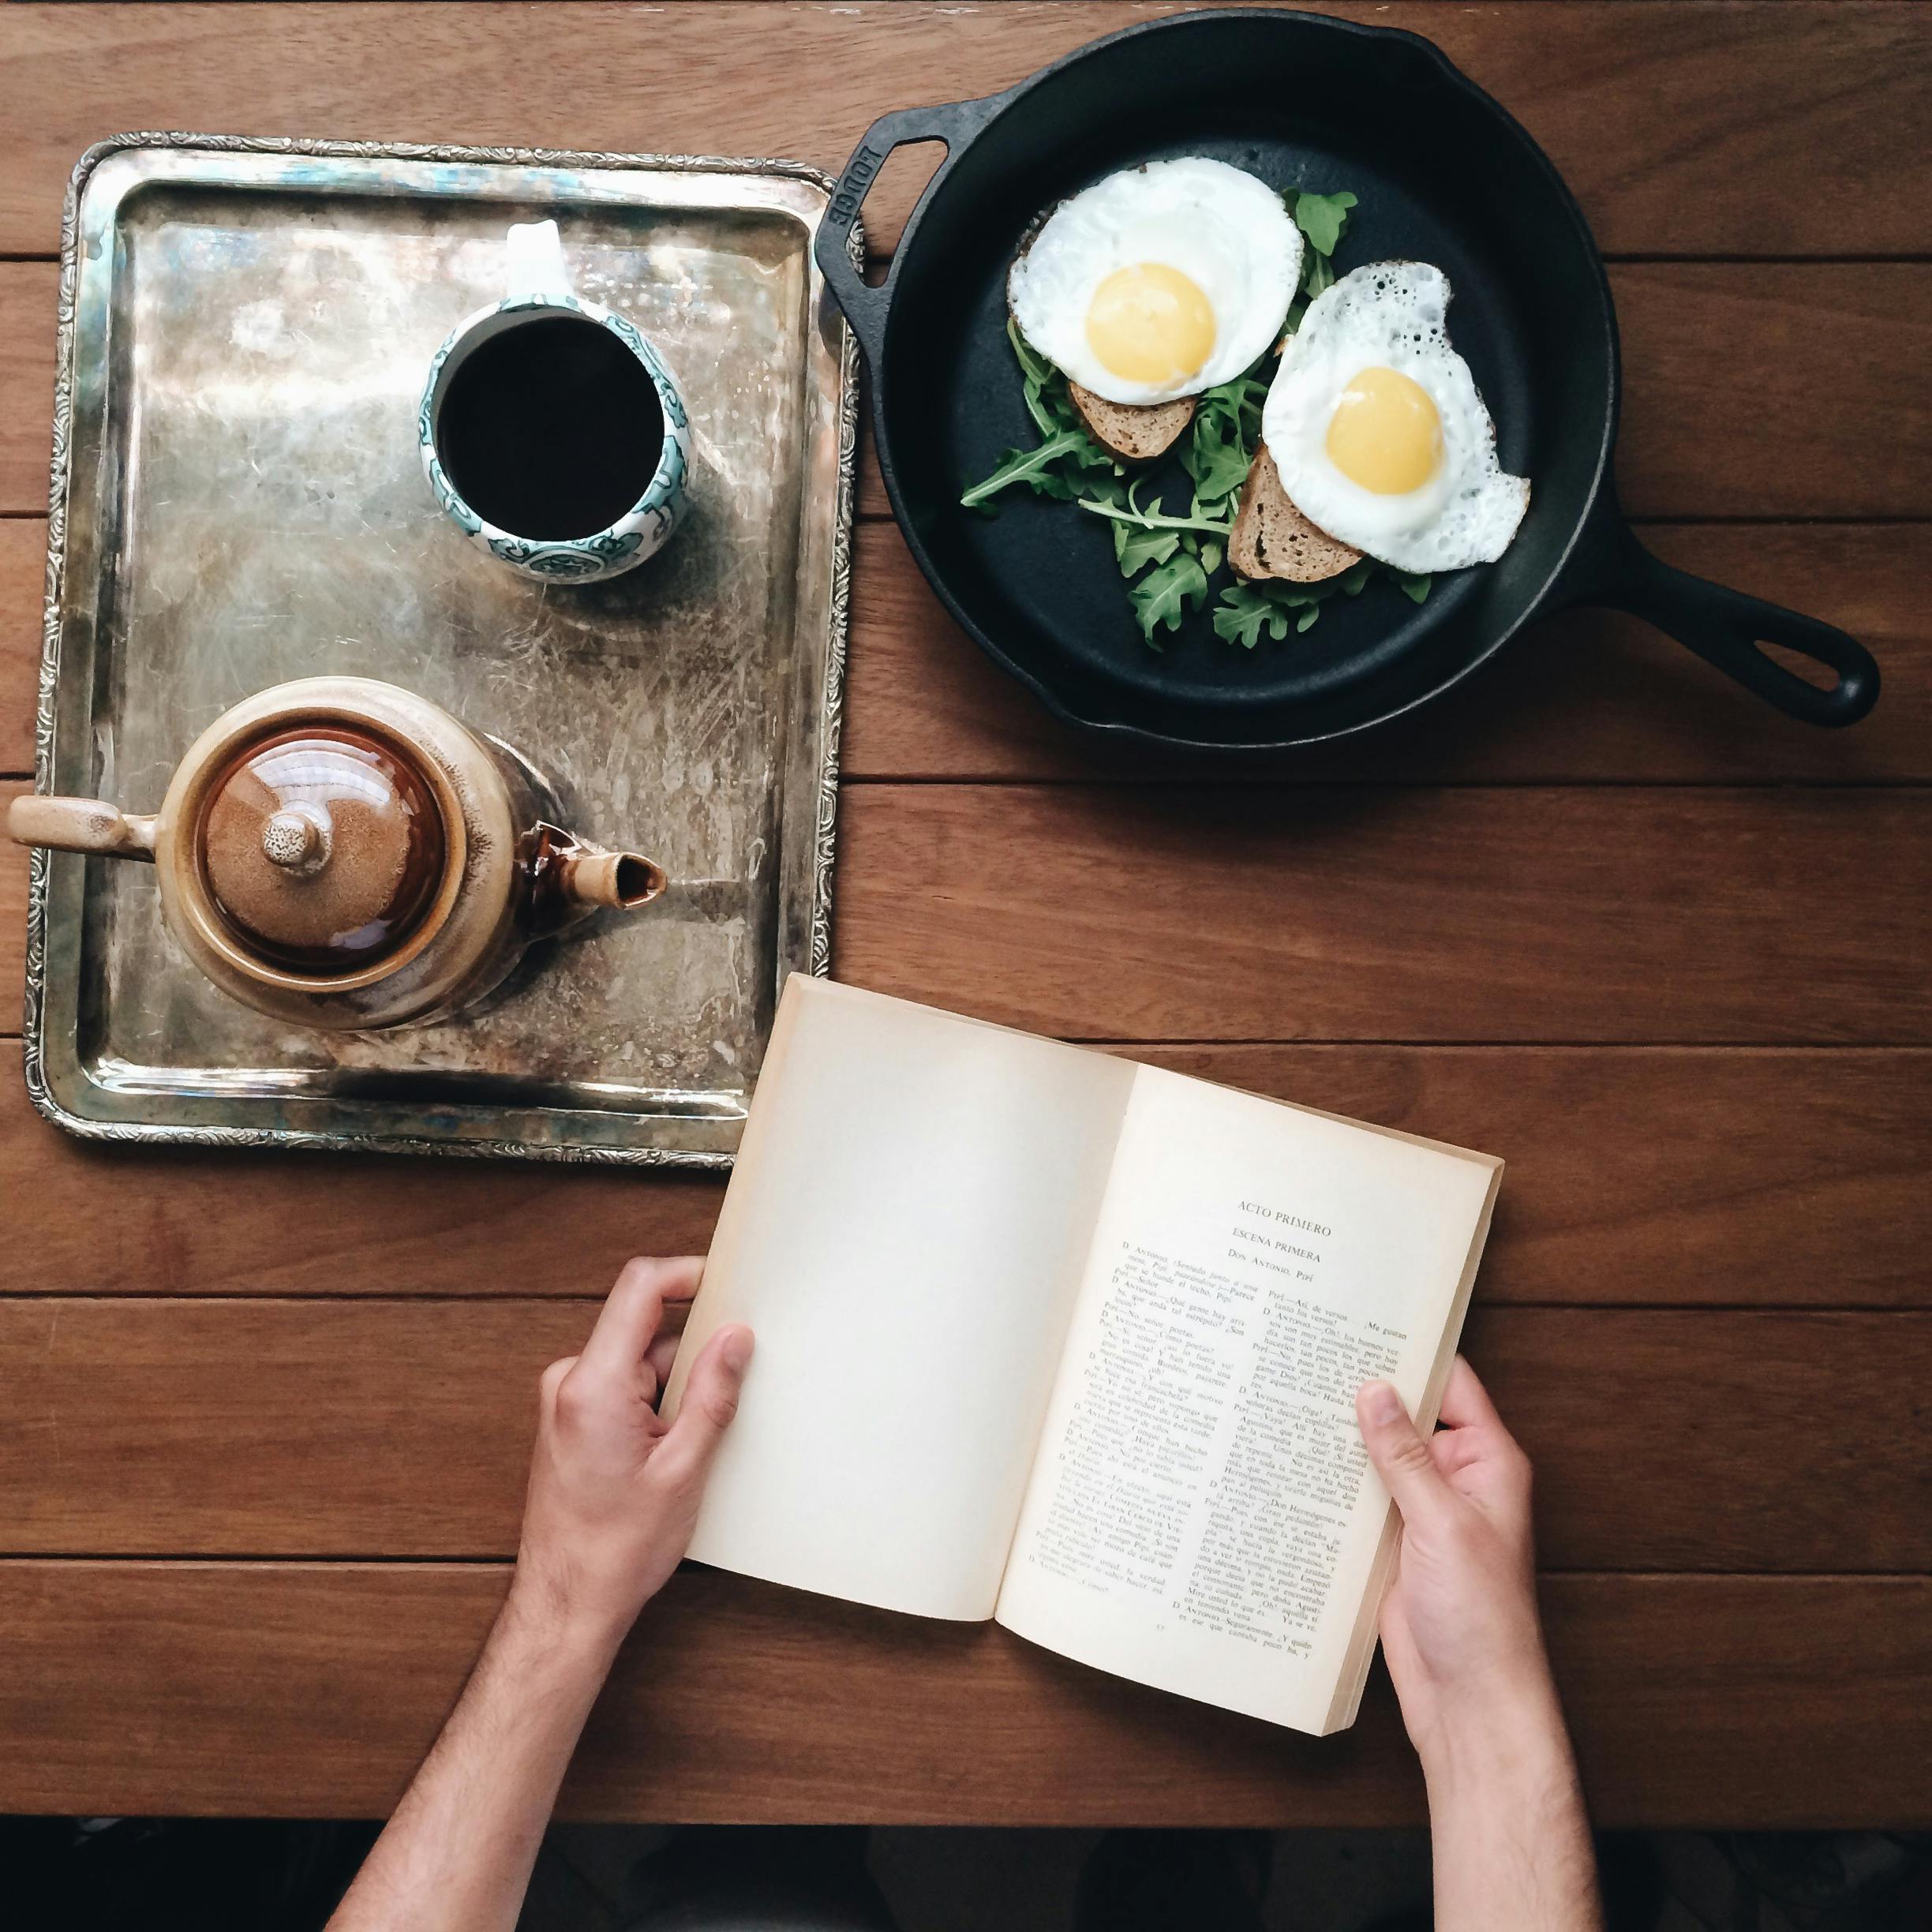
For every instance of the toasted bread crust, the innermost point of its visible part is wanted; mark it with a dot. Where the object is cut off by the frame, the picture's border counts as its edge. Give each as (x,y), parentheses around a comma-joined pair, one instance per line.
(1134,433)
(1272,538)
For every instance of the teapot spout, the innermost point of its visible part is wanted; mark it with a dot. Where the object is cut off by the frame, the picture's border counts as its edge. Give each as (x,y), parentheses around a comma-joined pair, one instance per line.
(626,880)
(81,826)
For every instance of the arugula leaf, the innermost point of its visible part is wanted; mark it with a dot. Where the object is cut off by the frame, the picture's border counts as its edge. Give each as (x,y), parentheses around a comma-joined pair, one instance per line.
(1217,464)
(1317,273)
(1034,466)
(1415,583)
(1134,548)
(1242,613)
(1322,218)
(1245,610)
(1034,367)
(1161,598)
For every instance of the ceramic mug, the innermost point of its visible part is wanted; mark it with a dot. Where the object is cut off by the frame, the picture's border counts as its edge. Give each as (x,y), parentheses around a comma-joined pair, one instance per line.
(539,287)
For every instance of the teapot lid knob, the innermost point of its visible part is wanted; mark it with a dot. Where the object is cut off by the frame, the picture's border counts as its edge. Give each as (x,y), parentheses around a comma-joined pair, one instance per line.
(297,837)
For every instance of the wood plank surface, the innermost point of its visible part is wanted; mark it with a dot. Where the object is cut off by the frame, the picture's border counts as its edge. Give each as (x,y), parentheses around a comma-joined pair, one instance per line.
(1584,696)
(1669,1177)
(13,869)
(1718,357)
(1714,1440)
(312,1691)
(1632,914)
(1601,913)
(1685,129)
(23,572)
(29,292)
(1559,915)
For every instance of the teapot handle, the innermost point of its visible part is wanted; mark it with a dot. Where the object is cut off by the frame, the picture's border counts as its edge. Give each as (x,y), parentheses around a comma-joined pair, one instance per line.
(81,826)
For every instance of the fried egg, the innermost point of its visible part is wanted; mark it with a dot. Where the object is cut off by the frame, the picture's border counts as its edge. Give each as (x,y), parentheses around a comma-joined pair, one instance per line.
(1158,281)
(1378,431)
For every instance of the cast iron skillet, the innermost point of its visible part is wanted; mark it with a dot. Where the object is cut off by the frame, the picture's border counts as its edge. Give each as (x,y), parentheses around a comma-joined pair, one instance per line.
(1442,175)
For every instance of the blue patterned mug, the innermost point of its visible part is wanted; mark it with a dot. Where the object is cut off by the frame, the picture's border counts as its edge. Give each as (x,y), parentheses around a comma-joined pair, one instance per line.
(507,372)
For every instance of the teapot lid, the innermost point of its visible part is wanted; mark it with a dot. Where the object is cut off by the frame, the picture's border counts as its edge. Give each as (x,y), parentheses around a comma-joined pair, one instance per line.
(323,846)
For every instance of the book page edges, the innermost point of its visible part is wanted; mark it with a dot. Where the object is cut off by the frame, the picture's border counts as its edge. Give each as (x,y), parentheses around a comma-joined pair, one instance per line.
(1361,1653)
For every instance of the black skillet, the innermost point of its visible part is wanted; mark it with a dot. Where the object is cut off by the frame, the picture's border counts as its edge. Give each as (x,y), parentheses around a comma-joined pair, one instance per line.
(1442,175)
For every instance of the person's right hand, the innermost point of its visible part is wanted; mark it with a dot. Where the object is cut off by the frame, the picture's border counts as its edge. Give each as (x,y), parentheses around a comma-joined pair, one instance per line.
(1459,1625)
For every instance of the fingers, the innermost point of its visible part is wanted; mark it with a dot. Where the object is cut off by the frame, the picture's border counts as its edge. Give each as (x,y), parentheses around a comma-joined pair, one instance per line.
(631,1316)
(710,1402)
(1465,1402)
(660,1356)
(1401,1456)
(550,1381)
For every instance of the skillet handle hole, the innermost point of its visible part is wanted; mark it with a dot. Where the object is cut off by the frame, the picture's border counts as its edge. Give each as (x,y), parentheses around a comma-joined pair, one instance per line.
(899,185)
(1800,664)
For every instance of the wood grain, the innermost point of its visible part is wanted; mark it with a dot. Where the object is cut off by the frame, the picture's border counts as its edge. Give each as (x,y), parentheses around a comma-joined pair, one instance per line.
(1560,915)
(1584,696)
(27,292)
(23,570)
(1611,942)
(312,1691)
(13,868)
(1569,916)
(1722,362)
(1663,1440)
(1683,130)
(1675,1178)
(1705,1305)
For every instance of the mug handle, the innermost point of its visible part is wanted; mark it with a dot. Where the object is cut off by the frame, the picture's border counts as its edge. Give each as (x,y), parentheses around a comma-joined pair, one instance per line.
(953,122)
(534,262)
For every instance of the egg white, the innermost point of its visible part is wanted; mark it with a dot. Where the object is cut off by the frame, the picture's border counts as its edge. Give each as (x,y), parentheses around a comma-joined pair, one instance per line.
(1227,232)
(1391,315)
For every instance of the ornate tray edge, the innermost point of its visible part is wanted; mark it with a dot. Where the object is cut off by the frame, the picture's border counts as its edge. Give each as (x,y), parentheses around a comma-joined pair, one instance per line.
(830,723)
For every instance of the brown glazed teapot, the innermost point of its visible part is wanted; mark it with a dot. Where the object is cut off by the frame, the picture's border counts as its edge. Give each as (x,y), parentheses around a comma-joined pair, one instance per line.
(345,855)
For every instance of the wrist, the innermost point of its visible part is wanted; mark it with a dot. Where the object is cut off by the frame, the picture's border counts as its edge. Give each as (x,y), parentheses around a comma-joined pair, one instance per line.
(567,1628)
(1501,1733)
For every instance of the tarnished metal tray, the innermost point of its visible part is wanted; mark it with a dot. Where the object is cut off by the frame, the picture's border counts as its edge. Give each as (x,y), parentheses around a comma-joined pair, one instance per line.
(237,500)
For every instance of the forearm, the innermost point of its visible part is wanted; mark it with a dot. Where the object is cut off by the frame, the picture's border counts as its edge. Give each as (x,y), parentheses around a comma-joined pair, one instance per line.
(1511,1839)
(458,1852)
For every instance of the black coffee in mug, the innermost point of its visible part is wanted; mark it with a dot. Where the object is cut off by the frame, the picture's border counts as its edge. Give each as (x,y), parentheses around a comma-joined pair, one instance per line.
(551,429)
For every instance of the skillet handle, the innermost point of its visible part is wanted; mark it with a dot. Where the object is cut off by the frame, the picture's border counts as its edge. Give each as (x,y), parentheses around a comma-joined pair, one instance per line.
(953,122)
(1728,629)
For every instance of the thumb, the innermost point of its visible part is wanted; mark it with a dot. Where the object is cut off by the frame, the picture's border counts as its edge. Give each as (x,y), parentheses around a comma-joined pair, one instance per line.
(1401,1457)
(710,1402)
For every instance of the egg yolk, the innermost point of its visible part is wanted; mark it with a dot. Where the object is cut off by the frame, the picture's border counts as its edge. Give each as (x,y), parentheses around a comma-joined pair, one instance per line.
(1150,323)
(1385,434)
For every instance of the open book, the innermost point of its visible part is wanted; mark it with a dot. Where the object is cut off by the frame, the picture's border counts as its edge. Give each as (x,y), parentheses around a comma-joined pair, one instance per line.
(1048,1337)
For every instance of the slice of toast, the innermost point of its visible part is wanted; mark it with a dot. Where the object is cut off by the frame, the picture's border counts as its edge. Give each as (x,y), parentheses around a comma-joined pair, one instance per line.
(1134,432)
(1272,538)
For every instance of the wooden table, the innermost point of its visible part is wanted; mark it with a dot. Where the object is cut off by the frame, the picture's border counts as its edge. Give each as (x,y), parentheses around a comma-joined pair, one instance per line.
(264,1422)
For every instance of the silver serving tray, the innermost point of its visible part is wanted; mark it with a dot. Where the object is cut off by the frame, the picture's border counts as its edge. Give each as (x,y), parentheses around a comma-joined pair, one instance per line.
(237,500)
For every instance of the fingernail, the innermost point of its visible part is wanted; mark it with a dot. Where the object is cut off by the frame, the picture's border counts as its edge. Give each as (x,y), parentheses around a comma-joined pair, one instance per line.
(1383,1405)
(735,1348)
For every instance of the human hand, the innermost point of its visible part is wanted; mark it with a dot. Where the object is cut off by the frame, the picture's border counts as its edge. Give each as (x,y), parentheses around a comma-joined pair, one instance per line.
(614,1489)
(1460,1624)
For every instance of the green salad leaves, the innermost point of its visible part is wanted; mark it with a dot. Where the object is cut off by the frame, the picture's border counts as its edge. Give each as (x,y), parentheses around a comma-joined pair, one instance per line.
(1169,557)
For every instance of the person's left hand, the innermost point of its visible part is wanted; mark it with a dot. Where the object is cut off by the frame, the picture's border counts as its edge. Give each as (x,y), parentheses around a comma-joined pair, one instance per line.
(614,1489)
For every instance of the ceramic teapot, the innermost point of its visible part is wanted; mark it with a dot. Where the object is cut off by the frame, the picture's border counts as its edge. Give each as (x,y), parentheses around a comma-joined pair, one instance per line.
(342,854)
